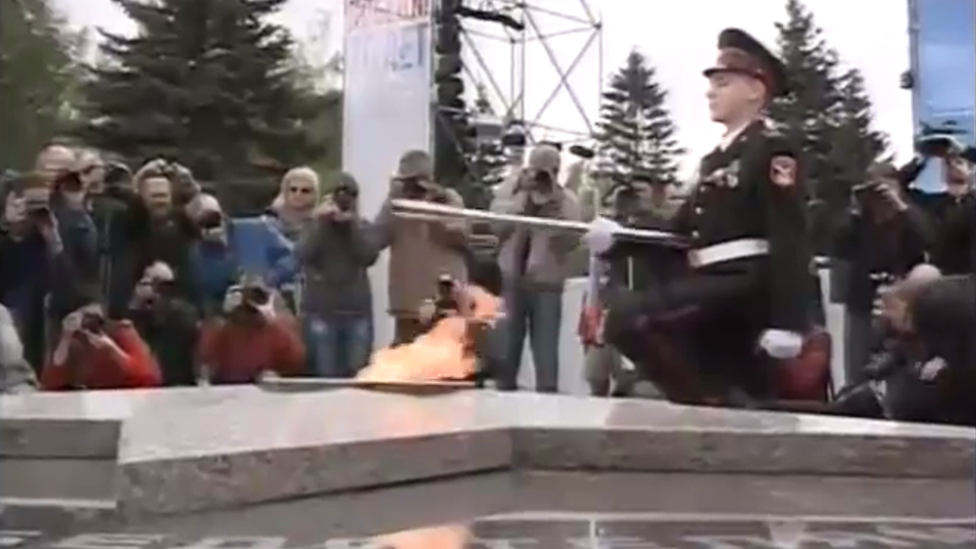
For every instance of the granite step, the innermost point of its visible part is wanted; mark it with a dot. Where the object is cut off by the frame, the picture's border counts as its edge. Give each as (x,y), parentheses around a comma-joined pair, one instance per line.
(53,515)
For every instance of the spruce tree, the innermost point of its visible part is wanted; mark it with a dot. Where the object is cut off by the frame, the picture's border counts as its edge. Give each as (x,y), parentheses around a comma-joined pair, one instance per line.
(37,79)
(827,114)
(209,83)
(636,133)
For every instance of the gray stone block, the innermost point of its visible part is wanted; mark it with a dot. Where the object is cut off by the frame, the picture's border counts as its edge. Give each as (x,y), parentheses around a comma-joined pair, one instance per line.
(211,448)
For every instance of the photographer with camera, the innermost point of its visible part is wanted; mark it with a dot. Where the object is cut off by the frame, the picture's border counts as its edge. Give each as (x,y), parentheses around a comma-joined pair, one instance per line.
(121,230)
(37,261)
(163,228)
(882,237)
(256,336)
(228,247)
(167,322)
(932,319)
(335,251)
(420,251)
(534,265)
(93,352)
(955,210)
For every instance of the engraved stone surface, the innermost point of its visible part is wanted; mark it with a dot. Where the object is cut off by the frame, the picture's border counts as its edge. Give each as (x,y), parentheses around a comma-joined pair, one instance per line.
(192,449)
(533,510)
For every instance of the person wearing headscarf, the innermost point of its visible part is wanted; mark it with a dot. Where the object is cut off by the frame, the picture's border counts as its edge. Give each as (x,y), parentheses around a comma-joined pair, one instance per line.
(297,198)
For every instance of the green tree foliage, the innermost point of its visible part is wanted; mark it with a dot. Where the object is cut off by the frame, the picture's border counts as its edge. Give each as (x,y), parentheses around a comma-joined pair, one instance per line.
(210,83)
(38,79)
(827,114)
(636,131)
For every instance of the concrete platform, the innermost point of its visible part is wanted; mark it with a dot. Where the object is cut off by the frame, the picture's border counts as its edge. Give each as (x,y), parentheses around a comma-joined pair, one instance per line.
(130,456)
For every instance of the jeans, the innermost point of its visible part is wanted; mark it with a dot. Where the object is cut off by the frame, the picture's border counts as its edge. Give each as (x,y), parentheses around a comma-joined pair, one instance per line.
(537,314)
(338,346)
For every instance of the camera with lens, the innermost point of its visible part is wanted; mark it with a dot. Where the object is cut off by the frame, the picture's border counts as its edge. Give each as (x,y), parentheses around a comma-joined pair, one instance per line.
(445,302)
(542,182)
(210,220)
(93,323)
(69,182)
(255,296)
(940,145)
(117,175)
(865,193)
(344,199)
(39,211)
(412,188)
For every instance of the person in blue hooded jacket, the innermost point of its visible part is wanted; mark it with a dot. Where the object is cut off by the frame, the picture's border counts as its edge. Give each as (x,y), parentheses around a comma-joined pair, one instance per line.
(229,248)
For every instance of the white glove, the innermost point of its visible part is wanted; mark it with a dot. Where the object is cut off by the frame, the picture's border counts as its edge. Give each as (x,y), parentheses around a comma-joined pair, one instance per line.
(599,237)
(781,344)
(931,369)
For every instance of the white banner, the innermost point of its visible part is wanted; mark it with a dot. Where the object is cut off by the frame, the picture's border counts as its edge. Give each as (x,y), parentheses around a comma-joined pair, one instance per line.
(386,107)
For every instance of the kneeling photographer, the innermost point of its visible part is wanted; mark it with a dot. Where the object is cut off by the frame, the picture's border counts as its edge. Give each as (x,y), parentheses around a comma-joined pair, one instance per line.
(167,322)
(335,252)
(640,202)
(534,265)
(93,352)
(933,320)
(255,336)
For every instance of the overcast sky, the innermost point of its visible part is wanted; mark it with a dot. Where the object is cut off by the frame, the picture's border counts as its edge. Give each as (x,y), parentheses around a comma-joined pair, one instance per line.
(680,40)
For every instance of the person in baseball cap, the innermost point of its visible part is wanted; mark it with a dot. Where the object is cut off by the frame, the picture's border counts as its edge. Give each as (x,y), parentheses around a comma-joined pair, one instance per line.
(421,251)
(414,175)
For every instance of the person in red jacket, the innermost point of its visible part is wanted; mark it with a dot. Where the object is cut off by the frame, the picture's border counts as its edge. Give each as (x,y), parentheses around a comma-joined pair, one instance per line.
(256,336)
(93,353)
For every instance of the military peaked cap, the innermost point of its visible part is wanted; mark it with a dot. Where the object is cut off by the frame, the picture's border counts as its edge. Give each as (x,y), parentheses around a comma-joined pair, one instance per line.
(741,53)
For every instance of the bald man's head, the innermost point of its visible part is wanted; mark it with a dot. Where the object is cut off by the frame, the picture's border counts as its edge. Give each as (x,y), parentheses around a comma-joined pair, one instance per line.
(896,301)
(55,160)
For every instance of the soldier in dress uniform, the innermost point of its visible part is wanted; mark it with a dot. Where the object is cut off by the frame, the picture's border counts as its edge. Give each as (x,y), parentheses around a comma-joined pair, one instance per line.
(747,285)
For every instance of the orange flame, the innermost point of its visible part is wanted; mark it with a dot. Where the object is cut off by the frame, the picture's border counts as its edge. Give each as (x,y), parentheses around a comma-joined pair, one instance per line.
(439,537)
(444,352)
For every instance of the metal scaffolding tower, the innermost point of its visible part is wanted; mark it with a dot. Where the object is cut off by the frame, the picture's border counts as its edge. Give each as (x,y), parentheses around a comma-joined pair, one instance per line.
(507,78)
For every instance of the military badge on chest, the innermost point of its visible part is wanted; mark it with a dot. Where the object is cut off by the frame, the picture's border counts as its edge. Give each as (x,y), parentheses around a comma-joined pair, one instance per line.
(726,177)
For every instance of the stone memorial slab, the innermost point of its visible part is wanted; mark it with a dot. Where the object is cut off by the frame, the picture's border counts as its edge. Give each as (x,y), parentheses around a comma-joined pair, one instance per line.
(195,449)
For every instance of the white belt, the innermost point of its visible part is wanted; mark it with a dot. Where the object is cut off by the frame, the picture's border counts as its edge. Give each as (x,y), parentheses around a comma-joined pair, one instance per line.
(728,251)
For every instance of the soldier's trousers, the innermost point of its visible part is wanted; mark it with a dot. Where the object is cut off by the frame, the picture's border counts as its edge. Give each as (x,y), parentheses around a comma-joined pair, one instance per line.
(694,337)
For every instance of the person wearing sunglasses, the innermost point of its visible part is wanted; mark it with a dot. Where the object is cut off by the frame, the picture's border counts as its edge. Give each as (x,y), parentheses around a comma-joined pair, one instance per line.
(298,196)
(227,247)
(956,248)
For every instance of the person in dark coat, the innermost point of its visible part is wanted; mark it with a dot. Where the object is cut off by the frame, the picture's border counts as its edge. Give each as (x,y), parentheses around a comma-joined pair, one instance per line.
(881,238)
(749,284)
(935,317)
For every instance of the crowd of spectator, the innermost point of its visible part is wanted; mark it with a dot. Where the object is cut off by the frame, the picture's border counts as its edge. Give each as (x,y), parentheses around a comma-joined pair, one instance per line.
(114,278)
